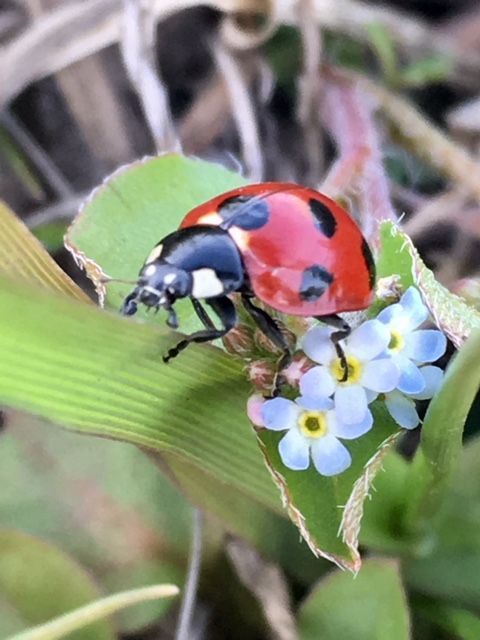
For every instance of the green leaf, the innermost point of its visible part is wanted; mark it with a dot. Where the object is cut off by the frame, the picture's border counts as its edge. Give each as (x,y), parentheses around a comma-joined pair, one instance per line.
(39,582)
(395,255)
(101,374)
(20,165)
(51,235)
(369,606)
(328,510)
(80,618)
(22,257)
(133,210)
(450,312)
(426,71)
(384,47)
(447,566)
(458,623)
(382,526)
(82,498)
(441,441)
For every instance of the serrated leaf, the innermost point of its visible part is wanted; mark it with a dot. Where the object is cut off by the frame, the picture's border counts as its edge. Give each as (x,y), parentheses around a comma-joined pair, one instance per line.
(441,441)
(39,582)
(370,606)
(91,613)
(395,257)
(101,374)
(450,312)
(328,511)
(22,257)
(132,210)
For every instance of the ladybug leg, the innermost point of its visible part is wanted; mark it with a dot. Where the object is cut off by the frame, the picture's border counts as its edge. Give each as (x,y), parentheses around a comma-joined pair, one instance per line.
(342,331)
(225,310)
(270,328)
(202,314)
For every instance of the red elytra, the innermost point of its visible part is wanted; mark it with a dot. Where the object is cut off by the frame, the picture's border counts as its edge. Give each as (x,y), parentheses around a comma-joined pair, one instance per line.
(304,234)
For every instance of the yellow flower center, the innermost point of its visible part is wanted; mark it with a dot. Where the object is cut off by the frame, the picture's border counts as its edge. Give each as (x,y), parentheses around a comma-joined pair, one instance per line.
(354,370)
(397,341)
(313,423)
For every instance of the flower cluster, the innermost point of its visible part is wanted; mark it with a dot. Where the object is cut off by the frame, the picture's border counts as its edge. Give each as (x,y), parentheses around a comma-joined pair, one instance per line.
(389,355)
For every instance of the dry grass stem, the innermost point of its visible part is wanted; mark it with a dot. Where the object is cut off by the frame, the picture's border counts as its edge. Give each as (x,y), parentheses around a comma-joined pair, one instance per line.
(425,139)
(63,210)
(349,115)
(414,36)
(243,110)
(90,94)
(309,91)
(267,583)
(78,29)
(137,46)
(441,208)
(73,32)
(46,167)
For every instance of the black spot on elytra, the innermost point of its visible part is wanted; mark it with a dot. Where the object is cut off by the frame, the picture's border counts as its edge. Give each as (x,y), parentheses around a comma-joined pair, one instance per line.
(324,218)
(369,263)
(315,281)
(246,212)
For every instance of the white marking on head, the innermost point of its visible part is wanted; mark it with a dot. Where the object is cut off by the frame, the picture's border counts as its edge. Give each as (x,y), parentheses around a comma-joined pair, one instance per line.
(150,270)
(154,254)
(169,278)
(210,218)
(206,284)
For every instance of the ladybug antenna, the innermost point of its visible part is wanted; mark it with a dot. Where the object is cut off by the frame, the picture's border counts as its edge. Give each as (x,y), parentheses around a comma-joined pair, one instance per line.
(107,279)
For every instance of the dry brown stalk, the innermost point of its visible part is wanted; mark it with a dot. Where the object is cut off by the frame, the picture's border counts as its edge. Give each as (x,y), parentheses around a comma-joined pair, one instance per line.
(242,108)
(425,139)
(82,28)
(138,52)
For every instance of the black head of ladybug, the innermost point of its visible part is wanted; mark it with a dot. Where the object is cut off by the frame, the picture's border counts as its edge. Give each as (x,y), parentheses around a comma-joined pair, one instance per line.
(201,263)
(159,285)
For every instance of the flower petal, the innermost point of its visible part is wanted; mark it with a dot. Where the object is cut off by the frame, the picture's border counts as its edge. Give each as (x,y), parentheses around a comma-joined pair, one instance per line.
(426,345)
(402,410)
(315,403)
(380,375)
(351,403)
(411,380)
(330,456)
(318,346)
(279,414)
(350,431)
(294,450)
(391,314)
(414,307)
(317,382)
(433,377)
(368,340)
(254,409)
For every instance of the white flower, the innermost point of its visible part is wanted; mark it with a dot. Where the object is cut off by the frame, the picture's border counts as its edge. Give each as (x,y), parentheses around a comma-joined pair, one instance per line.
(368,372)
(313,430)
(409,346)
(402,407)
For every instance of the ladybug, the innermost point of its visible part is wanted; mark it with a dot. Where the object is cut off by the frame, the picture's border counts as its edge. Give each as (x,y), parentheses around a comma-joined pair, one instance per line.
(289,246)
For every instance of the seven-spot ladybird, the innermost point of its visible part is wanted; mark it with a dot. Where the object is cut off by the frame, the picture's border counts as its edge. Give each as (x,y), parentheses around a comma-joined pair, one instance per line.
(289,246)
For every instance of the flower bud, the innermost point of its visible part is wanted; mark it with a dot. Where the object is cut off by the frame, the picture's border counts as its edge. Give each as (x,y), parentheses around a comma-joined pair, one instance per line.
(239,341)
(262,374)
